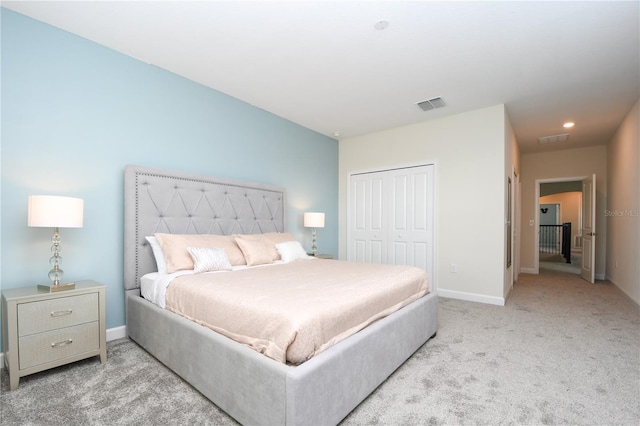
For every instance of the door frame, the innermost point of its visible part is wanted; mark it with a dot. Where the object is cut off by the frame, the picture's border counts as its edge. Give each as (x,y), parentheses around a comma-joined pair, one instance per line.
(515,228)
(433,277)
(536,233)
(589,275)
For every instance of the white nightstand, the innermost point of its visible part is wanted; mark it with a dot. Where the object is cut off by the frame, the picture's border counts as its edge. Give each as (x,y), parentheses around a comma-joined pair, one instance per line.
(42,330)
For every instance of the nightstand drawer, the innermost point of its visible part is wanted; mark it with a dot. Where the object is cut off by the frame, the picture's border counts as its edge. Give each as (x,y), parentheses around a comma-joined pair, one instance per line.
(46,315)
(43,329)
(57,344)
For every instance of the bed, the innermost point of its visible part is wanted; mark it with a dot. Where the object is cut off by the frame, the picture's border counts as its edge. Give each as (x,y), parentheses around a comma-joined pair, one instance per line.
(249,386)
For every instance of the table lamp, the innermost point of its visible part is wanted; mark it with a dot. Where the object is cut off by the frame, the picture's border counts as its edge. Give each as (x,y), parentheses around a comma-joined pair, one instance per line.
(55,212)
(313,220)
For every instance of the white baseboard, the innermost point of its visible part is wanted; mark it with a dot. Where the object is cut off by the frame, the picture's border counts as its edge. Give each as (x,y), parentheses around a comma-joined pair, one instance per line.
(112,334)
(471,297)
(600,277)
(116,333)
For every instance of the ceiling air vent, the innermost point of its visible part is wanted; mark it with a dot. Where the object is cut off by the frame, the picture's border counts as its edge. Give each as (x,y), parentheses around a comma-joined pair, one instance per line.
(432,104)
(553,139)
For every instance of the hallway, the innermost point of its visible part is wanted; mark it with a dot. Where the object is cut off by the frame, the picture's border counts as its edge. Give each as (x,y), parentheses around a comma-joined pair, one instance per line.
(555,262)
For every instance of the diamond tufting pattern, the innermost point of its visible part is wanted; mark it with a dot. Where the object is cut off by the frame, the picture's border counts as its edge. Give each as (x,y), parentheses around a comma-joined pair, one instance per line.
(192,204)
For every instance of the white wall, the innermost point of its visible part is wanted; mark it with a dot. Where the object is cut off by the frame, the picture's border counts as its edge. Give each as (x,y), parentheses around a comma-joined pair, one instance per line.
(623,206)
(469,152)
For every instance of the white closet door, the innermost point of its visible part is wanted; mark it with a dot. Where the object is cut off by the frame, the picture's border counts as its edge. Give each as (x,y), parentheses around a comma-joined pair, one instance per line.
(391,217)
(411,217)
(368,210)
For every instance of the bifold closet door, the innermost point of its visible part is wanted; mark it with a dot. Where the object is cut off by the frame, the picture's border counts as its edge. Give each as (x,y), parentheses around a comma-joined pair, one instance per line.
(410,236)
(368,211)
(391,216)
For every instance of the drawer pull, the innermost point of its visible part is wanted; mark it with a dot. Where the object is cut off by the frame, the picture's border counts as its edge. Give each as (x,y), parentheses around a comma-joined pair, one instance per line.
(61,313)
(61,343)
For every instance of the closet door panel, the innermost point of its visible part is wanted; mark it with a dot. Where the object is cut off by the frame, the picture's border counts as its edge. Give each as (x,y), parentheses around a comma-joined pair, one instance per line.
(377,252)
(421,254)
(400,191)
(424,220)
(358,192)
(359,252)
(399,202)
(410,192)
(400,252)
(368,234)
(375,204)
(420,196)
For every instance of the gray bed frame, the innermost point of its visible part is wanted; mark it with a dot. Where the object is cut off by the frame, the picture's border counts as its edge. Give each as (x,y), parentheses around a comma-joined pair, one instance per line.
(247,385)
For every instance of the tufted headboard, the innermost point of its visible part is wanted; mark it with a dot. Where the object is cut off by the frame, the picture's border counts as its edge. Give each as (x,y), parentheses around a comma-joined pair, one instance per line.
(182,203)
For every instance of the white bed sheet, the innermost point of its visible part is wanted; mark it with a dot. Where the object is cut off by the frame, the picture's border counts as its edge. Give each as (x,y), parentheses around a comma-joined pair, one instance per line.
(153,286)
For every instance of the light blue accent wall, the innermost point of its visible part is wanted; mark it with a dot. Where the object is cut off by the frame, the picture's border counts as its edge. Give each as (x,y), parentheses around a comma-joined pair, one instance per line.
(74,113)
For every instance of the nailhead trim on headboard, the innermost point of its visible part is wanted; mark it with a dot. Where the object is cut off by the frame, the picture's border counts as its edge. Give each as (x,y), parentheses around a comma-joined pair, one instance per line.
(182,203)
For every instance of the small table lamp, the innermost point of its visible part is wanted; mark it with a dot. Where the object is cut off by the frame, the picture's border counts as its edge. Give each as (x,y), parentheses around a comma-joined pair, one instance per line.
(313,220)
(55,212)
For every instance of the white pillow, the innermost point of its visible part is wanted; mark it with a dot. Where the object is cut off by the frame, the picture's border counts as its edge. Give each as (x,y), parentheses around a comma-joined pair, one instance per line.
(291,251)
(158,254)
(206,259)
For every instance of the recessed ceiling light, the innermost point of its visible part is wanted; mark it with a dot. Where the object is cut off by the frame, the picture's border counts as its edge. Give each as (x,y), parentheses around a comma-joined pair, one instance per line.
(568,125)
(336,134)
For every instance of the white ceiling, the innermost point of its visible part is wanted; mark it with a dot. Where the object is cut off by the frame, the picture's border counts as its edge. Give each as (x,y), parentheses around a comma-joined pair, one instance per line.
(323,64)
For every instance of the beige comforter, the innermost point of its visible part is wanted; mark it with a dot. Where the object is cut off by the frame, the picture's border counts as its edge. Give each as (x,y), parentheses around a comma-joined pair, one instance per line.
(291,312)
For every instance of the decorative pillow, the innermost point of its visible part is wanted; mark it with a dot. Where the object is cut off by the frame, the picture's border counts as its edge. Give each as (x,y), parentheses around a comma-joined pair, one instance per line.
(270,239)
(174,247)
(157,253)
(291,251)
(209,259)
(256,252)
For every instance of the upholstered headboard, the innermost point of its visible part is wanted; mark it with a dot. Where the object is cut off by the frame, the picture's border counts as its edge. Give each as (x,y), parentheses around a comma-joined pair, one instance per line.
(182,203)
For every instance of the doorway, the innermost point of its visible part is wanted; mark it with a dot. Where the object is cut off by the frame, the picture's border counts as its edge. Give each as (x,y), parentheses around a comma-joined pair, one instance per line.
(559,221)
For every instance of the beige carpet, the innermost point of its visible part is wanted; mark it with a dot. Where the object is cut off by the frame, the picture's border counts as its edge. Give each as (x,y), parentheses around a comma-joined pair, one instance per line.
(555,262)
(561,351)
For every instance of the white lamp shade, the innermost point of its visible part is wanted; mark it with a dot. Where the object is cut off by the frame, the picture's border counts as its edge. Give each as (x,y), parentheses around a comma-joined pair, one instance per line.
(313,220)
(55,212)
